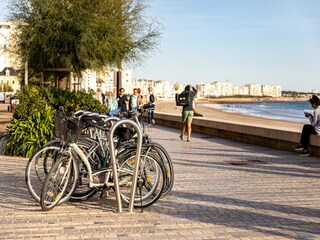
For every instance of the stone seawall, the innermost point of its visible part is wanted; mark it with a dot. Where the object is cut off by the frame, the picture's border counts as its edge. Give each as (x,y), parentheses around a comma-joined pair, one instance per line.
(265,135)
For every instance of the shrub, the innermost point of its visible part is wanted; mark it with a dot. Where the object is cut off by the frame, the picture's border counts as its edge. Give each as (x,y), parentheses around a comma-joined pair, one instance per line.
(26,136)
(32,125)
(73,101)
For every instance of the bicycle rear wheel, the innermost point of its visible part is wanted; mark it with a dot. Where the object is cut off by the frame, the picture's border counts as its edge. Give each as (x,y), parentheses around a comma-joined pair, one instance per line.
(168,167)
(151,180)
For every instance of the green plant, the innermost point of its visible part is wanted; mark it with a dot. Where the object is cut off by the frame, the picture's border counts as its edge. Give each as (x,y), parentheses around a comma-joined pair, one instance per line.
(73,101)
(31,102)
(32,125)
(25,136)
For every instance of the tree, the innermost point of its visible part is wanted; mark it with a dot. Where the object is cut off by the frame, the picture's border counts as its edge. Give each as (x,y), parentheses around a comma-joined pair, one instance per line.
(83,34)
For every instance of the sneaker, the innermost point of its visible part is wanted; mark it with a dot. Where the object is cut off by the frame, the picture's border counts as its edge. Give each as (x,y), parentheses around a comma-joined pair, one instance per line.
(153,122)
(304,153)
(298,148)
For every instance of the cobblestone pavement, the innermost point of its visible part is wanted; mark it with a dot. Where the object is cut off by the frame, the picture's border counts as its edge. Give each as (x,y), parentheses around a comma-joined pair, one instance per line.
(223,190)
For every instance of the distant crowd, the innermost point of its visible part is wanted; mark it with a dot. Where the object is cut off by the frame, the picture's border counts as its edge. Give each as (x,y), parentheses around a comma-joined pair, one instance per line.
(123,103)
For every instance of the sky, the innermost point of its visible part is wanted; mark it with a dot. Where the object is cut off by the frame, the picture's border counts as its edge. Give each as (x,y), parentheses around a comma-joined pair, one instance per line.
(273,42)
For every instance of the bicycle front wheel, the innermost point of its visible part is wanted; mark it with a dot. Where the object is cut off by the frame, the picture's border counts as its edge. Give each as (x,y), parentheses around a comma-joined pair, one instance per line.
(60,182)
(38,167)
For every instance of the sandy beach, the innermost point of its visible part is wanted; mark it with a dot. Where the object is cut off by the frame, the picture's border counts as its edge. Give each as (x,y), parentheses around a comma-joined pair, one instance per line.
(217,115)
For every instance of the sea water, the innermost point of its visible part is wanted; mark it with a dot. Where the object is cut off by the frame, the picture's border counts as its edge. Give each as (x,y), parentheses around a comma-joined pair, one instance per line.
(290,111)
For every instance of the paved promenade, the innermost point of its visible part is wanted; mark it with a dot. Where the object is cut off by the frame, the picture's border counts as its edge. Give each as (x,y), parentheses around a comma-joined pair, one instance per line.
(223,190)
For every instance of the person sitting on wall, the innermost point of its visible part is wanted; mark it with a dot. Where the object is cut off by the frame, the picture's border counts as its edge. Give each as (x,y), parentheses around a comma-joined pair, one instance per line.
(309,129)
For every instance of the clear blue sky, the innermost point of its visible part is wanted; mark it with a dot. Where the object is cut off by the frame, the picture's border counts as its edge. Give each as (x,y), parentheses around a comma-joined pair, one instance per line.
(245,41)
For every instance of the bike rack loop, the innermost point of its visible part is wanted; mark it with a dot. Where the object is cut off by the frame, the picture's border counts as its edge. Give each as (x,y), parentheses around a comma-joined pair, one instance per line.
(114,165)
(111,118)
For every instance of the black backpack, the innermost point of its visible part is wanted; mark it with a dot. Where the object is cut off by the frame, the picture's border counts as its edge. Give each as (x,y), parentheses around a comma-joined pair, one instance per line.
(183,99)
(151,98)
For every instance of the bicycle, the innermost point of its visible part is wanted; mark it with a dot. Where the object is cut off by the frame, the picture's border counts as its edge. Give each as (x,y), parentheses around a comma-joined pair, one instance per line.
(60,174)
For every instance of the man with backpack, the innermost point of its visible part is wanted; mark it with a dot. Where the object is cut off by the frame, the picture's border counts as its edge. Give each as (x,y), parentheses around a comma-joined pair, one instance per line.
(185,99)
(151,102)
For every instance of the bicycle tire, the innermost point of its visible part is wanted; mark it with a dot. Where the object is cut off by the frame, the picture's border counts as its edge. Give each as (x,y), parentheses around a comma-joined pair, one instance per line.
(38,167)
(168,166)
(56,185)
(40,163)
(152,184)
(164,158)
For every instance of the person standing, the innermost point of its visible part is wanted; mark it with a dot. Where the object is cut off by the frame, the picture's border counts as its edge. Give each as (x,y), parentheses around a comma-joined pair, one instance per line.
(122,101)
(98,95)
(151,102)
(309,129)
(140,99)
(134,100)
(187,112)
(111,103)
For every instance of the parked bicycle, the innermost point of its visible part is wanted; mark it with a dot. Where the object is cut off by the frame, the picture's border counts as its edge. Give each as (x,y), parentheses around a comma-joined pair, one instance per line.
(78,165)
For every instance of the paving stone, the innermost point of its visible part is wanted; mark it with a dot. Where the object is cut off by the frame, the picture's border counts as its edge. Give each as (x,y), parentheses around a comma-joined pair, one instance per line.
(211,198)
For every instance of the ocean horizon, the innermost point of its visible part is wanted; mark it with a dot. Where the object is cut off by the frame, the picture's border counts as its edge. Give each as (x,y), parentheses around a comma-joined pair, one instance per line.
(289,111)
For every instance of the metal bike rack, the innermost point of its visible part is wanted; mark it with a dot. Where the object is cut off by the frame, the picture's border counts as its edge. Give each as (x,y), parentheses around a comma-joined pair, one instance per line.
(114,165)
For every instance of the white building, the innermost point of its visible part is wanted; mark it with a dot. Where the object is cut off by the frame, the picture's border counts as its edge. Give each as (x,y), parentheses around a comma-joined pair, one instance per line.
(164,90)
(8,61)
(203,90)
(271,91)
(240,90)
(254,89)
(105,80)
(9,78)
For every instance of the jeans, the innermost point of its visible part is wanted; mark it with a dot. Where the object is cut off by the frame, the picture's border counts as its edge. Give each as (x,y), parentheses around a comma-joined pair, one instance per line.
(151,112)
(306,132)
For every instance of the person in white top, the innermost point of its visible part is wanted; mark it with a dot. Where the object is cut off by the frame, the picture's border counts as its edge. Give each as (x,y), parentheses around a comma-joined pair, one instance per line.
(309,129)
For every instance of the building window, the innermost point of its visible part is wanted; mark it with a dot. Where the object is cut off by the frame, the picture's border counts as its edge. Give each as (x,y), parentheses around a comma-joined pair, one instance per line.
(7,72)
(12,82)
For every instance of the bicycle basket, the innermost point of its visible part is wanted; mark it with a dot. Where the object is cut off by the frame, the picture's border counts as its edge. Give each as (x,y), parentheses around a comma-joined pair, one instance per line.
(67,129)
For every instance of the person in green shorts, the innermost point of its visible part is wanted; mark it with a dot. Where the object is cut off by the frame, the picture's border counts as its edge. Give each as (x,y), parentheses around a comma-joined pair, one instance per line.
(187,113)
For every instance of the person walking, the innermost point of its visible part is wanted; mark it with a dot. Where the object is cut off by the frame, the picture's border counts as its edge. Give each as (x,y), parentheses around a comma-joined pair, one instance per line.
(309,129)
(187,113)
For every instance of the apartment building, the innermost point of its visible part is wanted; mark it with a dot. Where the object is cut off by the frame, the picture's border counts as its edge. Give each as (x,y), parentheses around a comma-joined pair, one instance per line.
(9,80)
(272,91)
(219,89)
(105,80)
(8,61)
(240,90)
